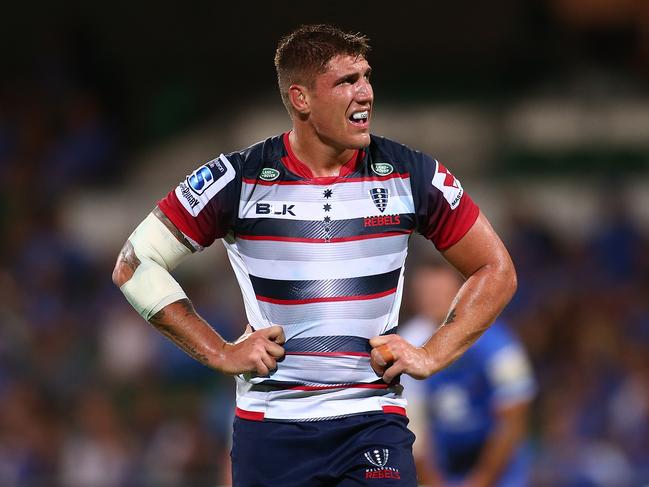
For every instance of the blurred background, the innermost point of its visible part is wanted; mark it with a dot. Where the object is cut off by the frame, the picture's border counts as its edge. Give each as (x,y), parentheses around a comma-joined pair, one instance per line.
(540,108)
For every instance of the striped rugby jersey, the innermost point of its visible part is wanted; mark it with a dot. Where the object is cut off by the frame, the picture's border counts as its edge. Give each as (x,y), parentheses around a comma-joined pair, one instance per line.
(322,257)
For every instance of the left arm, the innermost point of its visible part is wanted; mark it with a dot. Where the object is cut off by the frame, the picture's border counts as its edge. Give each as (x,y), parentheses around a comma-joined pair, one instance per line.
(483,260)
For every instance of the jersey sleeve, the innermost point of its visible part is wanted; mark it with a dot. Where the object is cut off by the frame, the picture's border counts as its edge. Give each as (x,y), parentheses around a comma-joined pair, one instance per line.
(204,205)
(445,213)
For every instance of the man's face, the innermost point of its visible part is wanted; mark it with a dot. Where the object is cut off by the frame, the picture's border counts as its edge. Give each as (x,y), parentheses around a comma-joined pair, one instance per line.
(341,101)
(434,290)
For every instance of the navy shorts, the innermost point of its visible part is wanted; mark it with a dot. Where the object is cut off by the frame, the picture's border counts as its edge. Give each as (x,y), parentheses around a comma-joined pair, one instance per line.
(369,449)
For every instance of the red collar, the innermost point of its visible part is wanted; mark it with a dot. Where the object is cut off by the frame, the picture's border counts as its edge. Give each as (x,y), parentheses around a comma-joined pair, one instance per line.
(298,168)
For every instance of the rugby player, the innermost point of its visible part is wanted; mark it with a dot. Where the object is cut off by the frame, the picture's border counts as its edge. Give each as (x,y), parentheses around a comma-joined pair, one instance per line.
(316,223)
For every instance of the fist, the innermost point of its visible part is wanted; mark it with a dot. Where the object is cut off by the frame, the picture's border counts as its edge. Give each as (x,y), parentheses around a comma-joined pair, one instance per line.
(255,352)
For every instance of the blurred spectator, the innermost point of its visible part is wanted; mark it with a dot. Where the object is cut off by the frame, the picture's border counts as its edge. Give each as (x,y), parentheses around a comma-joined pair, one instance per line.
(474,413)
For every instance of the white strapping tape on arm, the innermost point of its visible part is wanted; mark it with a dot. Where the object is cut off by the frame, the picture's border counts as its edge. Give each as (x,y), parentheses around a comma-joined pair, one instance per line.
(152,287)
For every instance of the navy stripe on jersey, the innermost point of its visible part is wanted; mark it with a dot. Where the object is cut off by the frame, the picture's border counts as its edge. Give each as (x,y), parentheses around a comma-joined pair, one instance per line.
(321,290)
(302,230)
(279,385)
(331,345)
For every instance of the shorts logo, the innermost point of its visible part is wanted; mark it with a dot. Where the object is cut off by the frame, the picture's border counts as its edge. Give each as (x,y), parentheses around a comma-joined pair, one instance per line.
(269,174)
(380,198)
(382,168)
(378,457)
(448,185)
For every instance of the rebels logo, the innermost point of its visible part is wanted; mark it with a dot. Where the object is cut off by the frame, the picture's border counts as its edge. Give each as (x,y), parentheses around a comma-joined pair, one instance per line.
(379,458)
(381,221)
(448,185)
(274,209)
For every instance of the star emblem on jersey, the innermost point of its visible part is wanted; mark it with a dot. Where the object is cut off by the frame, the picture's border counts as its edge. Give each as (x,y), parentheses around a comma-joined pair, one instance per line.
(327,207)
(380,198)
(327,193)
(327,219)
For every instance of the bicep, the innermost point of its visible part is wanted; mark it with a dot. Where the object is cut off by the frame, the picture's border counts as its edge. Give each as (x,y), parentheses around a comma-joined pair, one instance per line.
(479,247)
(173,229)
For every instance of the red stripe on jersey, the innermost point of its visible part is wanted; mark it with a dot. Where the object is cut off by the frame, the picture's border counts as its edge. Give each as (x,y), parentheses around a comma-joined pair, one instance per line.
(331,354)
(326,300)
(394,410)
(334,180)
(251,415)
(322,240)
(348,386)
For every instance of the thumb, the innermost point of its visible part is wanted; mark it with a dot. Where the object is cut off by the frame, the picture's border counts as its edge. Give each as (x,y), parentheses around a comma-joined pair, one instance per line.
(276,334)
(379,340)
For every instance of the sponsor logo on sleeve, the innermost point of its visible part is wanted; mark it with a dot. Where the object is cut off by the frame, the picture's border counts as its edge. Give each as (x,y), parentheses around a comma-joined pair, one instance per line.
(448,185)
(382,168)
(205,176)
(269,174)
(200,186)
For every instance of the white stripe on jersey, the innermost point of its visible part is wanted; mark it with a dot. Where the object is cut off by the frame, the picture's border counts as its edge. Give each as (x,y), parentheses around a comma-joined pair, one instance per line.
(303,314)
(313,193)
(333,252)
(257,318)
(313,211)
(304,270)
(328,404)
(365,328)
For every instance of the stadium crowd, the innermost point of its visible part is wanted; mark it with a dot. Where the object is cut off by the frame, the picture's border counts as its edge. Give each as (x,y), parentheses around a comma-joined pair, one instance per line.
(90,395)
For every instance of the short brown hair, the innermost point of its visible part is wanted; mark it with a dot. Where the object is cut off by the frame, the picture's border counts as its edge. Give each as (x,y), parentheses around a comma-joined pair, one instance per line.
(306,51)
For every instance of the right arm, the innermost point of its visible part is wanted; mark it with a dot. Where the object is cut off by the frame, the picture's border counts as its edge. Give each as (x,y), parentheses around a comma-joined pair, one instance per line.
(142,272)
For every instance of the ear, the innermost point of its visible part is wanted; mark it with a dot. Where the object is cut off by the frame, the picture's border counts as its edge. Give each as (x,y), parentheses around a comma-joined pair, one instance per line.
(299,98)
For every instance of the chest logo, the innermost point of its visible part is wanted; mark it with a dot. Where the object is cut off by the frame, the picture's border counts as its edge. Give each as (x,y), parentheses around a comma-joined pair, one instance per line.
(269,174)
(380,198)
(382,168)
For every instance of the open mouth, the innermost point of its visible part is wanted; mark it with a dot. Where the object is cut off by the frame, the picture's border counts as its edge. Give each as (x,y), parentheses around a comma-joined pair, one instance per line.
(359,118)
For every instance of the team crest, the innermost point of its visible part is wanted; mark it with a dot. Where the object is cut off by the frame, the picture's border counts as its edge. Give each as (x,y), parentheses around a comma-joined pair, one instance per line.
(377,457)
(380,198)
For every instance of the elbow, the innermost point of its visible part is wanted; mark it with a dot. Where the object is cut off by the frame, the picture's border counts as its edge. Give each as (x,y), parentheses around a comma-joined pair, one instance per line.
(127,263)
(119,276)
(510,280)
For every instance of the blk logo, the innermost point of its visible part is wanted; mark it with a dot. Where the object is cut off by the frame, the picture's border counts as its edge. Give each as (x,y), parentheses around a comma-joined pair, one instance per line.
(274,209)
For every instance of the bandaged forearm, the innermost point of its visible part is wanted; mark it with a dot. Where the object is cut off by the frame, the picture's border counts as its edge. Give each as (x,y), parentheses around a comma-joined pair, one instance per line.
(152,287)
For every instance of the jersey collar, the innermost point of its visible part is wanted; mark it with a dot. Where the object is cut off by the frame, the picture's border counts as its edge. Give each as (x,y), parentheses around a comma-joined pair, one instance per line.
(297,167)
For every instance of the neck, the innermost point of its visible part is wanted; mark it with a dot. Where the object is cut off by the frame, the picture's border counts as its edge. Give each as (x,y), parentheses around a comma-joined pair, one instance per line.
(321,158)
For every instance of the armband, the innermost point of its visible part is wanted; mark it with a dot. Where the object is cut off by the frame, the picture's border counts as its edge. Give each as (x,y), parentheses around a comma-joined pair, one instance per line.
(152,287)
